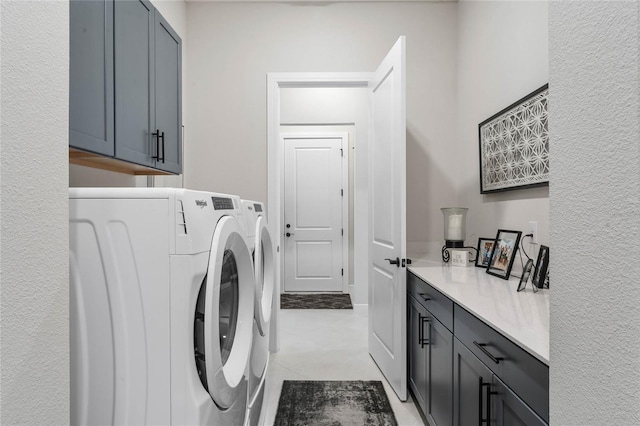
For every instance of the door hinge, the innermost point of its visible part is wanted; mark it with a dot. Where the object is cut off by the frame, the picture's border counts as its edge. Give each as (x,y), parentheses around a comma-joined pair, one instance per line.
(342,192)
(342,232)
(342,272)
(341,153)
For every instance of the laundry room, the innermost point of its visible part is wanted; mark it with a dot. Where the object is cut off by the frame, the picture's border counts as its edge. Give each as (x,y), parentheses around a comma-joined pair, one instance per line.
(261,122)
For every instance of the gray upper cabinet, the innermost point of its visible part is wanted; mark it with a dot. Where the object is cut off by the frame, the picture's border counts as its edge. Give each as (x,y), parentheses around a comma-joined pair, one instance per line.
(168,95)
(91,107)
(126,85)
(134,53)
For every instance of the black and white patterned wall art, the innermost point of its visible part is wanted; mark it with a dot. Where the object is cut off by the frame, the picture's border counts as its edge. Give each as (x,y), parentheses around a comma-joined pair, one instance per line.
(514,145)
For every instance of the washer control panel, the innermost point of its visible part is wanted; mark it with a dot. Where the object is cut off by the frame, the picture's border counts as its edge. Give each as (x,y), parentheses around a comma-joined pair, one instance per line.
(221,203)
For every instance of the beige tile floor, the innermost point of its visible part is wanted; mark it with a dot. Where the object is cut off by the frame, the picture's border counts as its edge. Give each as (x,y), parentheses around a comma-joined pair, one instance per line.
(327,344)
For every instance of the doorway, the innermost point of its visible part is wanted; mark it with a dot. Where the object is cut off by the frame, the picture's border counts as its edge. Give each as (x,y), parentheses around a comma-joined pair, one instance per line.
(316,212)
(380,110)
(327,102)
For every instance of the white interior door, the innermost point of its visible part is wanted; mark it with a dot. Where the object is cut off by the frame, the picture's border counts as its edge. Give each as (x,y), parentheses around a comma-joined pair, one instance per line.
(387,209)
(313,200)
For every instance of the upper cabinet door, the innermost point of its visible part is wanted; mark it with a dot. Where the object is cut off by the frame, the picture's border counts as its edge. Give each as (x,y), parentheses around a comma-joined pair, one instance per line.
(91,107)
(168,95)
(134,82)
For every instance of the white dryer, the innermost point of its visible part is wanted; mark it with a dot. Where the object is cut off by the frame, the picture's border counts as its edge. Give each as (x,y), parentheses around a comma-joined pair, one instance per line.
(260,241)
(162,300)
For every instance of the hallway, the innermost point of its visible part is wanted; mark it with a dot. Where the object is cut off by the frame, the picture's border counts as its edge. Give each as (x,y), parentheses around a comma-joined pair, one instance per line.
(327,345)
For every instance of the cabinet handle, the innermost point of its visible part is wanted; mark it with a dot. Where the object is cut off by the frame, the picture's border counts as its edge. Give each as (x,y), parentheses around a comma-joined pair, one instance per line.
(481,346)
(421,340)
(481,387)
(159,136)
(162,137)
(156,135)
(424,297)
(426,341)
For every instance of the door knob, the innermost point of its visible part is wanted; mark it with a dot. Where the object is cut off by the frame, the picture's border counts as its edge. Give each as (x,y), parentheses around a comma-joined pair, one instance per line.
(288,225)
(394,262)
(288,234)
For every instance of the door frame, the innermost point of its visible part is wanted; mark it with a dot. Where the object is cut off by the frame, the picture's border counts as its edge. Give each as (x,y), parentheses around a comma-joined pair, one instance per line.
(345,187)
(275,157)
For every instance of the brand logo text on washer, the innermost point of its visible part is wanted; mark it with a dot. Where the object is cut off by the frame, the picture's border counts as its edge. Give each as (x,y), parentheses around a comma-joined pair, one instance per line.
(201,203)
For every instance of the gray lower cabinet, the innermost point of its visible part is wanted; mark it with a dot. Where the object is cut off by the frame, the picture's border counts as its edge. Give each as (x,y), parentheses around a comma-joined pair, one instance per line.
(509,409)
(440,370)
(468,373)
(91,107)
(472,380)
(480,397)
(417,353)
(430,363)
(126,83)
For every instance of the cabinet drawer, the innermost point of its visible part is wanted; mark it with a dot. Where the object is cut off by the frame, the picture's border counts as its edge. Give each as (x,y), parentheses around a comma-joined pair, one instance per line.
(437,303)
(528,377)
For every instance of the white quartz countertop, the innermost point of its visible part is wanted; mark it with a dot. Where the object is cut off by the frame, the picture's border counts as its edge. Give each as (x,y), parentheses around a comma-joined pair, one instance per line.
(522,317)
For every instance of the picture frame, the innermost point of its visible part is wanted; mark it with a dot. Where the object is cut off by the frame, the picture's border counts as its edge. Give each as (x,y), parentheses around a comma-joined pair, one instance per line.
(526,272)
(542,266)
(514,145)
(504,253)
(484,250)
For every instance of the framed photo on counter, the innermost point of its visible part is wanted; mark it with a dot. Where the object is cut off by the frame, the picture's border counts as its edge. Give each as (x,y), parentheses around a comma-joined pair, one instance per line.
(526,271)
(542,264)
(485,248)
(504,253)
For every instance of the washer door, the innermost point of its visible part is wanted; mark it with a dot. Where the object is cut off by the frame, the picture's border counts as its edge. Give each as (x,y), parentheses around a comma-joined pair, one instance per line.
(225,310)
(264,275)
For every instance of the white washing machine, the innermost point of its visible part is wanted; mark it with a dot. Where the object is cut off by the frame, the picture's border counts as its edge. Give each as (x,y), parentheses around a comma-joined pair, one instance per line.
(259,240)
(162,301)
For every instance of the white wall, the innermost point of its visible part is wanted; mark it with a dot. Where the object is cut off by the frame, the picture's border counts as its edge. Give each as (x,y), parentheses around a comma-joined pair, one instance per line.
(34,307)
(502,56)
(595,213)
(234,45)
(175,12)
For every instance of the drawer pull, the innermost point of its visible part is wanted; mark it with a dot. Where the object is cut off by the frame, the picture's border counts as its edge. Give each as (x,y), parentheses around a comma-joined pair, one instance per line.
(481,346)
(424,297)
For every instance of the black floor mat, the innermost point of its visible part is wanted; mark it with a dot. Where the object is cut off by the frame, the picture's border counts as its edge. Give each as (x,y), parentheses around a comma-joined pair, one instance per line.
(316,301)
(333,403)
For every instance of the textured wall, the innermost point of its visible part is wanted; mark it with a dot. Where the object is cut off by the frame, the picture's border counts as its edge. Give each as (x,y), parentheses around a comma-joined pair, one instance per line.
(502,56)
(34,239)
(595,213)
(232,47)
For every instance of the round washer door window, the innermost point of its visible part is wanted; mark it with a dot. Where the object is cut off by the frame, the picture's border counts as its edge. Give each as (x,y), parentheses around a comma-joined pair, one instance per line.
(229,302)
(264,275)
(224,315)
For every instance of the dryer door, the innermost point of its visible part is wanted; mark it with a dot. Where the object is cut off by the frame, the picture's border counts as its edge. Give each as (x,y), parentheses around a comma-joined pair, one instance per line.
(227,304)
(264,275)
